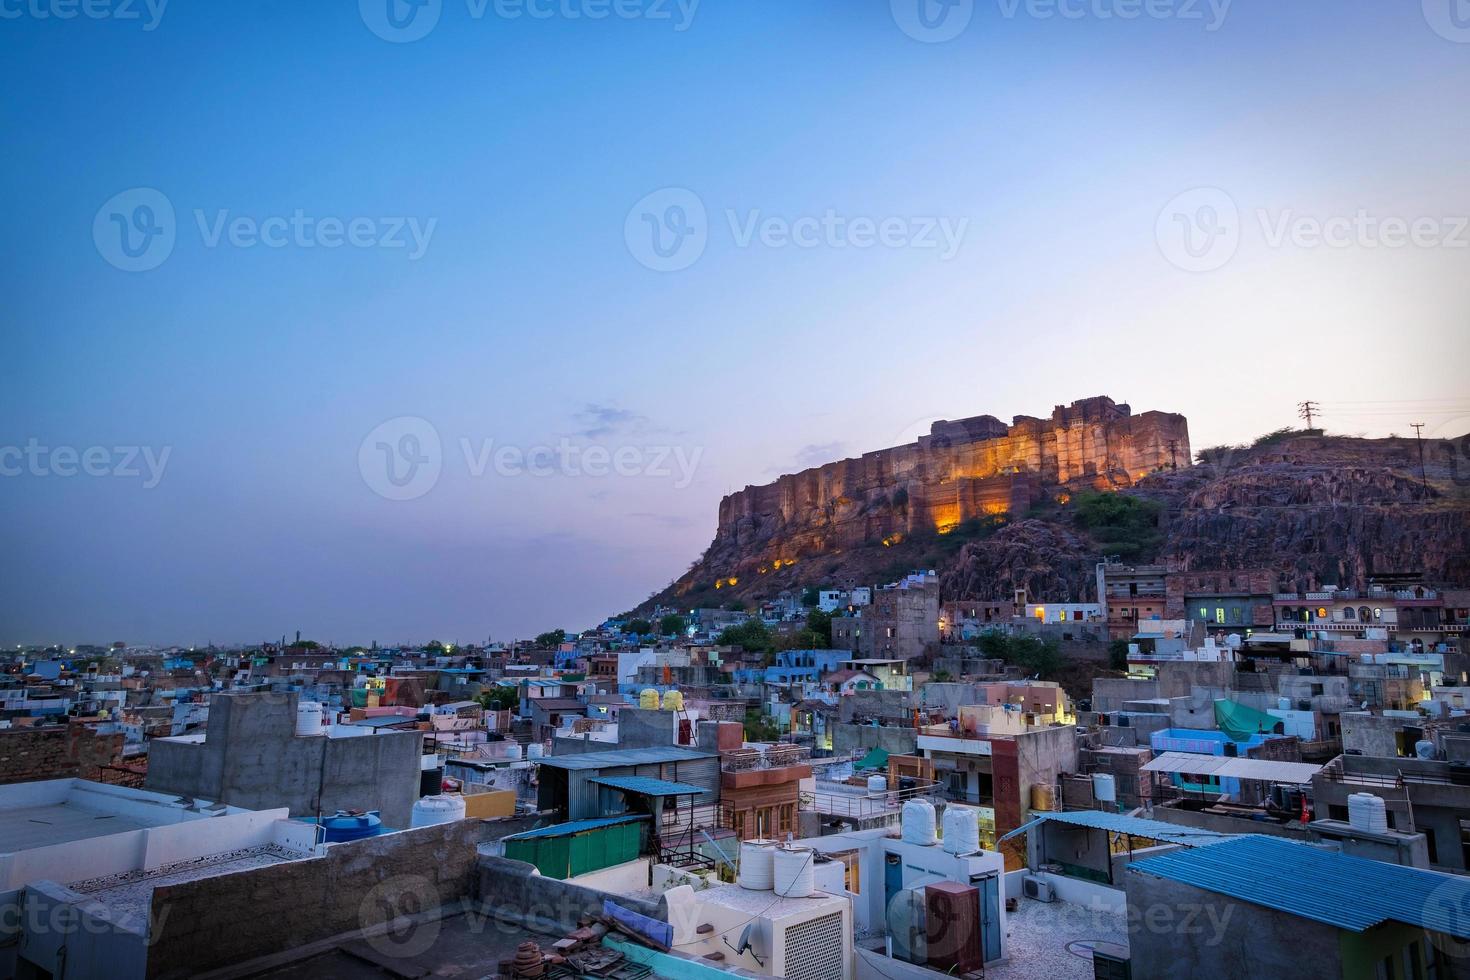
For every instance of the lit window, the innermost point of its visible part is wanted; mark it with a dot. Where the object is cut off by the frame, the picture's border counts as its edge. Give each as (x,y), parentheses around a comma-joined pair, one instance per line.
(1321,612)
(1377,613)
(1219,614)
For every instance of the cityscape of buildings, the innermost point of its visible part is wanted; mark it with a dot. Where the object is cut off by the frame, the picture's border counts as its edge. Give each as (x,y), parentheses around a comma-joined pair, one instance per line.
(1246,781)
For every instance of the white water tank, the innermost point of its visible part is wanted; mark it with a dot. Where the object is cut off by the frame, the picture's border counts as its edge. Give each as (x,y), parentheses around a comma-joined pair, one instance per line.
(795,872)
(1367,812)
(513,750)
(1104,787)
(1283,704)
(1424,749)
(432,810)
(535,750)
(961,829)
(877,784)
(918,822)
(308,718)
(757,865)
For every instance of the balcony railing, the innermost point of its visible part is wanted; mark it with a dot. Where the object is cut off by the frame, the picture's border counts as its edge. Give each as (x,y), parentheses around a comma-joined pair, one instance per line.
(1336,772)
(864,805)
(1398,595)
(775,757)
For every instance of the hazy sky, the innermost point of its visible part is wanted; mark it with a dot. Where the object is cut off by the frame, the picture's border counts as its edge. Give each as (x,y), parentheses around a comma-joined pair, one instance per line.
(254,253)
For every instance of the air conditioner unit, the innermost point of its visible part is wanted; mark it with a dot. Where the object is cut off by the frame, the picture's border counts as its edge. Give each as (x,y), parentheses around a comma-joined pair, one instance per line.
(1036,888)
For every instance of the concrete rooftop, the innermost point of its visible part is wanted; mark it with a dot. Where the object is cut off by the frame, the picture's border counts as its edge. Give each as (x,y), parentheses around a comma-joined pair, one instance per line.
(23,828)
(1054,940)
(467,945)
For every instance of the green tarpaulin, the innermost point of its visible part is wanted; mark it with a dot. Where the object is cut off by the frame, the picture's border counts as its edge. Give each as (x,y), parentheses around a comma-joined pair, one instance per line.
(1241,722)
(875,759)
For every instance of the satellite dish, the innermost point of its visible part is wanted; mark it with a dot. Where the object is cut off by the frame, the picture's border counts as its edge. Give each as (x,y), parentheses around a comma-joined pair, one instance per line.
(747,936)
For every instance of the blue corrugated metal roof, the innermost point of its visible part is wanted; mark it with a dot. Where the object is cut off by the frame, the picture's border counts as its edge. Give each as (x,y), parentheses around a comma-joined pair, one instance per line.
(625,757)
(1171,833)
(1347,892)
(648,786)
(575,827)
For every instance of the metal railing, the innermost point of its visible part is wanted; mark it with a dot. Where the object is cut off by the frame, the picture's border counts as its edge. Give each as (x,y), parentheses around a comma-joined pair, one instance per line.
(776,757)
(1336,772)
(866,805)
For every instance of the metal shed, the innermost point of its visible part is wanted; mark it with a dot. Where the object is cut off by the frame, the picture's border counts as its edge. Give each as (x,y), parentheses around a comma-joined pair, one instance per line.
(570,782)
(566,850)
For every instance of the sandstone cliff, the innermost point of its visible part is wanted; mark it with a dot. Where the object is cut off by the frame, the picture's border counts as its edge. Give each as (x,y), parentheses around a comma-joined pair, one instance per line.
(1312,509)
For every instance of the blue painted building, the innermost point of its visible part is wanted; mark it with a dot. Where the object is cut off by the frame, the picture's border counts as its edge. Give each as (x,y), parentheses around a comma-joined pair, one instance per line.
(796,666)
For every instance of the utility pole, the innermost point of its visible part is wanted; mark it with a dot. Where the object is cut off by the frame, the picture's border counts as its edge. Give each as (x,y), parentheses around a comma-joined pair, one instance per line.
(1173,454)
(1308,410)
(1419,438)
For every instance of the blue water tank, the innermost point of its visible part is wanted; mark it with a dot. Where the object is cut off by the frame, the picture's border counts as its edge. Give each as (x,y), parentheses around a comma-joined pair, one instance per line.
(345,826)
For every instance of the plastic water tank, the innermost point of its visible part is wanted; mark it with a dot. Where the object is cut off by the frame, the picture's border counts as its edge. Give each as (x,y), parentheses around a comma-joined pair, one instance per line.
(1424,749)
(344,826)
(673,701)
(1367,812)
(877,784)
(918,822)
(1104,787)
(648,700)
(795,872)
(513,750)
(308,718)
(1043,797)
(433,810)
(1284,704)
(535,750)
(961,830)
(757,865)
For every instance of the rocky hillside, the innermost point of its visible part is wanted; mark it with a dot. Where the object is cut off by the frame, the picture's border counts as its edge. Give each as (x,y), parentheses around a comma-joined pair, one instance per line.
(1315,509)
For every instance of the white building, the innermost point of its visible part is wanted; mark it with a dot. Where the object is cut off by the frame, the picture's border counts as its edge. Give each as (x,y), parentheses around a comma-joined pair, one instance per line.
(89,855)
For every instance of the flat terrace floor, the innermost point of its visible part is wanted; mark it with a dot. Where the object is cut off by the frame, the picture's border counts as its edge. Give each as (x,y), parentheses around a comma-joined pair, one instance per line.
(28,827)
(1055,939)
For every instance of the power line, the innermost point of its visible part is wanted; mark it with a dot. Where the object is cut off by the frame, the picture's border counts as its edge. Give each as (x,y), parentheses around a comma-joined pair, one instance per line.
(1307,410)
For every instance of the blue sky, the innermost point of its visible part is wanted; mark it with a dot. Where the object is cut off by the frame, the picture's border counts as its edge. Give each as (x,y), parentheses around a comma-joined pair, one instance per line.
(1056,150)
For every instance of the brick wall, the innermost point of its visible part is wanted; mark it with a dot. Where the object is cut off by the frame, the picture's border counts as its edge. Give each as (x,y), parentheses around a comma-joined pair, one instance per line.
(56,752)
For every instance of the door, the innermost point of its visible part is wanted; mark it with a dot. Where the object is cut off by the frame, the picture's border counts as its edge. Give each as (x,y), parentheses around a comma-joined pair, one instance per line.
(989,886)
(892,879)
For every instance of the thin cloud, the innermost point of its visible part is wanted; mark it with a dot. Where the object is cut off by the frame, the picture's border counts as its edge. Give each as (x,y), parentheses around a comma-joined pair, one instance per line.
(597,421)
